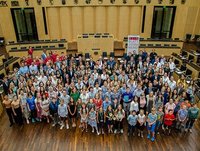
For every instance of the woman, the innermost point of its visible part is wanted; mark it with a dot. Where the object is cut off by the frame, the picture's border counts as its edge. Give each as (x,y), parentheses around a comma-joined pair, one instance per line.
(17,110)
(119,114)
(45,107)
(38,106)
(97,101)
(24,107)
(134,106)
(7,102)
(150,101)
(109,114)
(72,111)
(142,102)
(170,106)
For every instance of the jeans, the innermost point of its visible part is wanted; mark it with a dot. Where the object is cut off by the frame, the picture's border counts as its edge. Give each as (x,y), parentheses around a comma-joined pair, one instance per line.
(190,123)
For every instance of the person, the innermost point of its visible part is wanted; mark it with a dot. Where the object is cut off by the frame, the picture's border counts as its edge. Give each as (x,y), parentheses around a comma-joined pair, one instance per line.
(127,97)
(101,120)
(24,107)
(170,106)
(72,111)
(132,121)
(84,117)
(38,106)
(30,51)
(151,124)
(159,122)
(63,114)
(134,106)
(9,111)
(141,122)
(168,121)
(150,102)
(53,110)
(109,114)
(32,107)
(193,113)
(120,115)
(181,118)
(16,108)
(92,120)
(45,107)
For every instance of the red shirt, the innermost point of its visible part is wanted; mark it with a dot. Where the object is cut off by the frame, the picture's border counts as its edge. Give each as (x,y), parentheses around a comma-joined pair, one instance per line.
(30,51)
(168,119)
(61,58)
(54,56)
(98,103)
(29,61)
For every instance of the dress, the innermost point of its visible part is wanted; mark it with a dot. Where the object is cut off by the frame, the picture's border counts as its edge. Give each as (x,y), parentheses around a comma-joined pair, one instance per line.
(84,115)
(72,107)
(23,103)
(92,119)
(39,111)
(45,107)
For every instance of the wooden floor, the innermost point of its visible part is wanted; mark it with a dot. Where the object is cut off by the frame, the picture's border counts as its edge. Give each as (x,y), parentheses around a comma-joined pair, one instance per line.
(43,137)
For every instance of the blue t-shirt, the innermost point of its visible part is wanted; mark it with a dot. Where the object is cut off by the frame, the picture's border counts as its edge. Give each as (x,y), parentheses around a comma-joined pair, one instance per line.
(105,105)
(182,114)
(31,103)
(152,117)
(132,119)
(127,97)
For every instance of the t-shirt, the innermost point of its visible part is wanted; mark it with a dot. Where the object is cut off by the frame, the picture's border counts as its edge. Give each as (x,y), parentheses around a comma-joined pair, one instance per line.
(159,115)
(193,112)
(152,117)
(168,119)
(31,103)
(182,114)
(132,119)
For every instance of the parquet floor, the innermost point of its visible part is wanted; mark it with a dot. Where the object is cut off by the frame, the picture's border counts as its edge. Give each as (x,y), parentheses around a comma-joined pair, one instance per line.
(43,137)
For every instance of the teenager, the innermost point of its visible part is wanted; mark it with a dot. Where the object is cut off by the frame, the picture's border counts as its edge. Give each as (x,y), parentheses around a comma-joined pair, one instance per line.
(120,115)
(151,124)
(16,108)
(168,121)
(72,111)
(132,121)
(92,120)
(141,122)
(63,114)
(101,120)
(84,117)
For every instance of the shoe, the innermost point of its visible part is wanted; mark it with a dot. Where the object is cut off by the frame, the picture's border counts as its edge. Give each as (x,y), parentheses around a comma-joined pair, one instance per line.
(98,133)
(186,130)
(38,120)
(93,130)
(142,135)
(27,121)
(138,134)
(153,139)
(148,136)
(190,130)
(122,131)
(158,133)
(67,126)
(62,127)
(128,134)
(115,131)
(33,121)
(53,125)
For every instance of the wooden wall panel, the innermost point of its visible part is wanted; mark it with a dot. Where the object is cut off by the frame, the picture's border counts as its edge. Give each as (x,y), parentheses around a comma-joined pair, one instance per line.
(53,22)
(197,26)
(100,22)
(135,19)
(89,23)
(77,21)
(123,22)
(66,24)
(112,20)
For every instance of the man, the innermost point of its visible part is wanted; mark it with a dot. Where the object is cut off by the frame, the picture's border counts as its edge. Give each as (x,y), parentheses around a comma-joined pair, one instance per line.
(127,98)
(172,83)
(23,69)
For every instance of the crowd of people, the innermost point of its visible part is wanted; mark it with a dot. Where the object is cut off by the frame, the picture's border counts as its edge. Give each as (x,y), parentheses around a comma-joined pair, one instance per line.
(138,92)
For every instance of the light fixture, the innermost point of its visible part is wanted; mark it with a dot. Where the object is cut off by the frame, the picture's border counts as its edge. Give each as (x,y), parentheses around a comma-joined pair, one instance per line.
(171,1)
(137,1)
(39,2)
(160,1)
(51,2)
(148,1)
(63,2)
(112,1)
(183,1)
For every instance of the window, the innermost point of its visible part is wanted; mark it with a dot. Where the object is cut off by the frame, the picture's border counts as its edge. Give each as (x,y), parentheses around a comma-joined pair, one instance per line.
(163,20)
(24,24)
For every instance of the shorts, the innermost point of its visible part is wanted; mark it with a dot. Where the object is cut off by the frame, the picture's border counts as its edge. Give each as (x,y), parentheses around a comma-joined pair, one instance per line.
(152,127)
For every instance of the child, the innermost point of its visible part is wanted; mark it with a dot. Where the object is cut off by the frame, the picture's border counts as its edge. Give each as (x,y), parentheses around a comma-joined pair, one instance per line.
(168,121)
(84,116)
(101,120)
(119,114)
(53,108)
(72,111)
(151,121)
(193,113)
(141,122)
(63,113)
(181,118)
(132,121)
(90,104)
(159,121)
(109,118)
(92,117)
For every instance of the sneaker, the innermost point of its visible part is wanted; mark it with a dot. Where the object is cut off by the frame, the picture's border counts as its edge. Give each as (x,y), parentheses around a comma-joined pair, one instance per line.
(148,136)
(27,121)
(186,130)
(93,130)
(153,139)
(53,124)
(115,131)
(190,130)
(122,131)
(33,121)
(98,133)
(62,127)
(138,134)
(142,135)
(67,126)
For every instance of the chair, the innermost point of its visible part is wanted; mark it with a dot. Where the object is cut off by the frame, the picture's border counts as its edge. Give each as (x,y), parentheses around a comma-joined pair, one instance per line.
(188,37)
(87,56)
(104,55)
